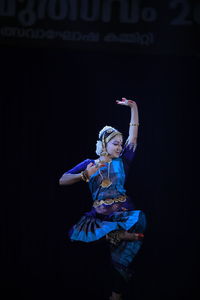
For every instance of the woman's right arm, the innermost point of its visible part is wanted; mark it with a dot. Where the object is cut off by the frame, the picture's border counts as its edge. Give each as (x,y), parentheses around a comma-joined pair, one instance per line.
(68,179)
(76,173)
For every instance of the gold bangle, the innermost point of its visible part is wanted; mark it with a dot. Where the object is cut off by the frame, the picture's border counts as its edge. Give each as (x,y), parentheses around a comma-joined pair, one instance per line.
(134,124)
(85,176)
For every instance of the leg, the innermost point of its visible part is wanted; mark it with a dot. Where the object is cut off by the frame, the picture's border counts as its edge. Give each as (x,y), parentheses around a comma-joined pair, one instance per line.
(114,237)
(115,296)
(118,285)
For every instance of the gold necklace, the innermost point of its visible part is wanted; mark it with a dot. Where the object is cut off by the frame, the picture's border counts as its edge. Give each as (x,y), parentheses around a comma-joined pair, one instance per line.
(106,182)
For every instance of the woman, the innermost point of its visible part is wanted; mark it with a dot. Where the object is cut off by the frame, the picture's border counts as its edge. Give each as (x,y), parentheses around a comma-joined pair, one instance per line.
(112,217)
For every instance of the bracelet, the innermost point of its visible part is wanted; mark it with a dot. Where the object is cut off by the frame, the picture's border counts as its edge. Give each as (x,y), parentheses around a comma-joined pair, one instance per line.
(84,176)
(134,124)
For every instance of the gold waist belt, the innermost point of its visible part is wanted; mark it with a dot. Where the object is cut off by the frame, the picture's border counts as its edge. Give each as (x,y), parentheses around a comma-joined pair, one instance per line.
(109,201)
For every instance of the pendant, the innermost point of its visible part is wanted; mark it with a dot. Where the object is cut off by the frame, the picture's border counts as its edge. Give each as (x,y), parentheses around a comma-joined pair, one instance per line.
(106,183)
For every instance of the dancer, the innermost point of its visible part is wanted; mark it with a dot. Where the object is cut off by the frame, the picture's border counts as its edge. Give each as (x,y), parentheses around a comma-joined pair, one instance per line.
(112,218)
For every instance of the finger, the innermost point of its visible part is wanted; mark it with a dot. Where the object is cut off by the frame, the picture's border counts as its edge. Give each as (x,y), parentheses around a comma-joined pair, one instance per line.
(90,165)
(120,102)
(101,165)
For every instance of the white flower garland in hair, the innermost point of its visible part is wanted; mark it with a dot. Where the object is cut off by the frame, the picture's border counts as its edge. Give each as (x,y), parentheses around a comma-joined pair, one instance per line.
(99,147)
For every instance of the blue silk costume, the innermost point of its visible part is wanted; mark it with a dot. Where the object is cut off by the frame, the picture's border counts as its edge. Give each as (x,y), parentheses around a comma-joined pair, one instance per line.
(95,225)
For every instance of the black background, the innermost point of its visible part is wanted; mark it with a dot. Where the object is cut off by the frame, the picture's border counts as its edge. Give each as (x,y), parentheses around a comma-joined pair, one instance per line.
(54,101)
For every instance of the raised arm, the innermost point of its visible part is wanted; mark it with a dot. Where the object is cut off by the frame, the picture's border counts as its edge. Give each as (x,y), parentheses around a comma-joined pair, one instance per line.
(134,121)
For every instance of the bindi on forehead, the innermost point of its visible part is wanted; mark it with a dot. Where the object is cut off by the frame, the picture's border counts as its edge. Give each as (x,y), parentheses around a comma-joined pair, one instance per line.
(117,139)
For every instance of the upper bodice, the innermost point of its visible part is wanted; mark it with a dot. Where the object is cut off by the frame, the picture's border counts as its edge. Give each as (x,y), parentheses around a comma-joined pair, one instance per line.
(116,171)
(112,171)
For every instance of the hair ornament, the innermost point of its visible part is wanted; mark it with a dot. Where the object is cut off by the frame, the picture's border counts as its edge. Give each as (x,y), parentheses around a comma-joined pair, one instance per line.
(107,129)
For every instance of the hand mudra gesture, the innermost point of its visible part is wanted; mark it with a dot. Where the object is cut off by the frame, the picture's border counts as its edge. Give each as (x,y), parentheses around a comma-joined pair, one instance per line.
(126,102)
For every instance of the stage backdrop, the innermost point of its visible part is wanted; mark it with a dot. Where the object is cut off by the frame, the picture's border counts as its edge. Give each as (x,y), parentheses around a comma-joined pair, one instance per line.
(56,95)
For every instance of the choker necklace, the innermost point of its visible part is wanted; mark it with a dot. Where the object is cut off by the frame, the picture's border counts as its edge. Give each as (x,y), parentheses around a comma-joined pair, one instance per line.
(106,182)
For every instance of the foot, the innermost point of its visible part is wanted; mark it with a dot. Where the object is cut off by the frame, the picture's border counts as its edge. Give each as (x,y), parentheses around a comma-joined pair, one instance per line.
(131,236)
(115,296)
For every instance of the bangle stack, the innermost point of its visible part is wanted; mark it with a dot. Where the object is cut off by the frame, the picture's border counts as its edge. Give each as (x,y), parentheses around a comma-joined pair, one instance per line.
(84,176)
(133,124)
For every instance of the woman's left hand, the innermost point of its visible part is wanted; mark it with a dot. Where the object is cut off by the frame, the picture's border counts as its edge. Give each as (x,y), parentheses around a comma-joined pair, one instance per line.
(130,103)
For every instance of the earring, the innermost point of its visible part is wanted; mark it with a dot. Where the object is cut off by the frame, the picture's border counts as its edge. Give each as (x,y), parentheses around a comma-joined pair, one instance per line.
(104,153)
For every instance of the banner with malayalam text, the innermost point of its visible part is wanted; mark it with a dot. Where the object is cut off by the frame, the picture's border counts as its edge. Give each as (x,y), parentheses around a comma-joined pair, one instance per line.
(132,26)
